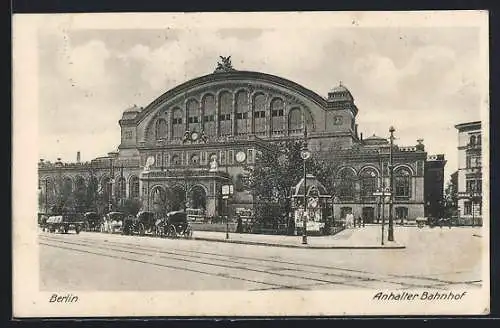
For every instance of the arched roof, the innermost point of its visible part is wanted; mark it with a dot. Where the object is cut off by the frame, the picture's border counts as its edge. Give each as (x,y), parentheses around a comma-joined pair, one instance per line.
(312,183)
(233,75)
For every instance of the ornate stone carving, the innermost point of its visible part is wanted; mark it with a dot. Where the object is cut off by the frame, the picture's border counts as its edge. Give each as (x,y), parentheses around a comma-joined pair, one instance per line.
(224,65)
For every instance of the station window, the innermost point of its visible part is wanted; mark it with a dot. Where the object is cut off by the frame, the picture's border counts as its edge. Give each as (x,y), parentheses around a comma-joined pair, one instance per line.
(260,114)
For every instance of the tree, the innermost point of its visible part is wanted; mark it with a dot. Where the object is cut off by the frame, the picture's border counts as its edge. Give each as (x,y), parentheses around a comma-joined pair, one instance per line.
(275,173)
(451,198)
(130,206)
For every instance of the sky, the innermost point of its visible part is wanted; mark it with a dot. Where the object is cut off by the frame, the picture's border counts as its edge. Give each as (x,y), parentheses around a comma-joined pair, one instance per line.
(421,80)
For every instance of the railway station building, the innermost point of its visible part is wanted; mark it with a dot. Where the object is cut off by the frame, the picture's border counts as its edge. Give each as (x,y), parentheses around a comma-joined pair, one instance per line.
(195,138)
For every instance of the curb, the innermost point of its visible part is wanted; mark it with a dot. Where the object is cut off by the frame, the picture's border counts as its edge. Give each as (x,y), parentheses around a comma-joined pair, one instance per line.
(295,246)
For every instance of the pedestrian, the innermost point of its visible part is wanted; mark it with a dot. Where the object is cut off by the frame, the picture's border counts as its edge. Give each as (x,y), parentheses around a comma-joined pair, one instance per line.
(239,226)
(359,221)
(363,219)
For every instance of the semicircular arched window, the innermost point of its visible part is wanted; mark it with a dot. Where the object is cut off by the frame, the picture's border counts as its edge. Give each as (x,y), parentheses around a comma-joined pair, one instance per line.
(177,124)
(243,120)
(402,182)
(209,119)
(161,129)
(120,187)
(295,121)
(225,110)
(134,187)
(368,182)
(277,116)
(259,113)
(193,113)
(346,184)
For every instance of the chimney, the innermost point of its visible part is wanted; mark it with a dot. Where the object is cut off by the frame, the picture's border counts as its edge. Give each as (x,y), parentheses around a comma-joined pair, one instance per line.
(361,134)
(78,157)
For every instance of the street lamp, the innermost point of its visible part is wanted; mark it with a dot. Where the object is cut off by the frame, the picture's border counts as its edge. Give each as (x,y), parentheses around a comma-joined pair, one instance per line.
(305,154)
(382,194)
(227,191)
(390,236)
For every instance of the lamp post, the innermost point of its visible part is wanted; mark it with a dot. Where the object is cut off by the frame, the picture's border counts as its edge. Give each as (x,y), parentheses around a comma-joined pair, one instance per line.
(227,191)
(382,194)
(110,196)
(305,154)
(335,200)
(390,236)
(121,193)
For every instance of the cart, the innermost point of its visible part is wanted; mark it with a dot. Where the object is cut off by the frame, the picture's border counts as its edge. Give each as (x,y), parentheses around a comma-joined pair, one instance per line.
(63,224)
(421,222)
(141,224)
(92,221)
(176,225)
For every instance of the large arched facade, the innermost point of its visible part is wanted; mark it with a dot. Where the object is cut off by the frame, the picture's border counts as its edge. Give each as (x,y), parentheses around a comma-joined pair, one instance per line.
(181,149)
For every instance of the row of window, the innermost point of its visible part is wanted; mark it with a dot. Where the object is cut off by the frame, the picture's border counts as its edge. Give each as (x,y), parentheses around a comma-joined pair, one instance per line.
(103,187)
(223,117)
(164,159)
(369,183)
(243,124)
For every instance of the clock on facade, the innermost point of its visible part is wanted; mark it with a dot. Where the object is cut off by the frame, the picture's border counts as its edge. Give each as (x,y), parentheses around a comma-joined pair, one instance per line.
(241,156)
(194,136)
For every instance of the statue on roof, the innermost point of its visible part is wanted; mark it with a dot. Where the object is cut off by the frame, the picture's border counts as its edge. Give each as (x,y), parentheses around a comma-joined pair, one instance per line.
(224,65)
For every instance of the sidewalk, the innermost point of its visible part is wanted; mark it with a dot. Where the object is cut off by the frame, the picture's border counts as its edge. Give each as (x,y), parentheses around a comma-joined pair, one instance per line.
(367,237)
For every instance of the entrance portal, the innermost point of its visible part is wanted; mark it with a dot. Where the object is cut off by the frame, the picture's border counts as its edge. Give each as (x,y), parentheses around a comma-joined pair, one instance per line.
(176,198)
(198,198)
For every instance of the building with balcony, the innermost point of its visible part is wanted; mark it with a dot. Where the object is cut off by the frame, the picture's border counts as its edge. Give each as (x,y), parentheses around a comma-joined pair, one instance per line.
(469,173)
(200,135)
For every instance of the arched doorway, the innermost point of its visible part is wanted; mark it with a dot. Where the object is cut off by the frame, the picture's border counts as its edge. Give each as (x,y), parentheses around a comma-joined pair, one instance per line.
(198,198)
(176,198)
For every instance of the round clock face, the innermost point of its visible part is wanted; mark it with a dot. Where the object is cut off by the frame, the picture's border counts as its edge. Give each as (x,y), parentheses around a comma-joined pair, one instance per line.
(305,154)
(240,157)
(194,136)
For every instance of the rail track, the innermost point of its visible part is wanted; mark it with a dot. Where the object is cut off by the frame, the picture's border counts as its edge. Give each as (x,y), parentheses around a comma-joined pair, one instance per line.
(266,273)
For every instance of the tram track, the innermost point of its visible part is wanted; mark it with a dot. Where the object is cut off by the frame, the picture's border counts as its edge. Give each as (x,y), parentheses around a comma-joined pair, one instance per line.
(195,260)
(244,263)
(296,266)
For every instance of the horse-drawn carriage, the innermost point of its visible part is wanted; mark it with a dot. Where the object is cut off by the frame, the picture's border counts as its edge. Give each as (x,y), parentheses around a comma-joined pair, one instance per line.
(141,224)
(92,221)
(421,221)
(113,222)
(174,225)
(63,224)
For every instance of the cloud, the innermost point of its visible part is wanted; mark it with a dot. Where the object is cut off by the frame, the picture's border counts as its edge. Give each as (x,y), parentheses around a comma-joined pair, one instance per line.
(379,73)
(394,81)
(85,66)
